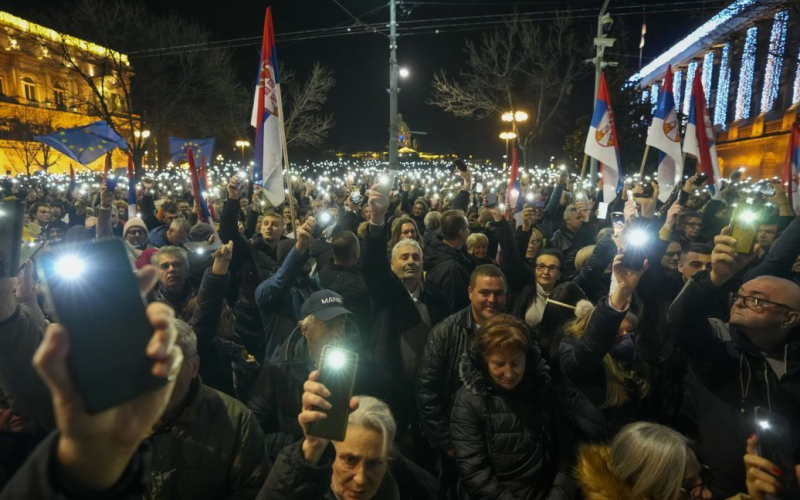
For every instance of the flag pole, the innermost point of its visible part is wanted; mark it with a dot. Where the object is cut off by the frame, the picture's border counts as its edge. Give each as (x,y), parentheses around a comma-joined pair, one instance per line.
(583,167)
(286,157)
(644,160)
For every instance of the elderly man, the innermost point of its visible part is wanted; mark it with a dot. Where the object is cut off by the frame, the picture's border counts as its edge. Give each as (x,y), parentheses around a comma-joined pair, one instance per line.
(207,444)
(573,235)
(173,286)
(175,234)
(750,362)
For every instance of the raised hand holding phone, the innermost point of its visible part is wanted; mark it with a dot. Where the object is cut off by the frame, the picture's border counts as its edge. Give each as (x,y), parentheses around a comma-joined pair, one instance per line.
(725,261)
(314,398)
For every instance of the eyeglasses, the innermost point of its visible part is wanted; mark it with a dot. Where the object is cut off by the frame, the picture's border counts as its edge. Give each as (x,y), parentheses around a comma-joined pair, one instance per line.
(754,302)
(695,490)
(552,269)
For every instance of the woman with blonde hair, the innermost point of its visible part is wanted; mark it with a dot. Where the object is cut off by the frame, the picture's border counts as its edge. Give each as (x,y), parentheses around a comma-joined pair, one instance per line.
(645,461)
(605,377)
(478,247)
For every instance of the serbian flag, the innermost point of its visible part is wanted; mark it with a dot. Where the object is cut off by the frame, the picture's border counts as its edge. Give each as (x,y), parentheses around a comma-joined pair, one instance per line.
(107,166)
(204,189)
(601,143)
(791,169)
(513,190)
(131,189)
(664,135)
(199,201)
(700,140)
(71,180)
(266,113)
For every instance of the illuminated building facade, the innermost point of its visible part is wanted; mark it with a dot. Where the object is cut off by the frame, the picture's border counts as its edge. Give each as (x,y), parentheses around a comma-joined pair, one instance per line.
(39,93)
(749,57)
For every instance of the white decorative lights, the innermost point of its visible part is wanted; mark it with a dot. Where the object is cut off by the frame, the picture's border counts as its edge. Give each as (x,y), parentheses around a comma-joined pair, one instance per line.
(687,98)
(654,89)
(744,93)
(708,71)
(723,87)
(677,81)
(772,72)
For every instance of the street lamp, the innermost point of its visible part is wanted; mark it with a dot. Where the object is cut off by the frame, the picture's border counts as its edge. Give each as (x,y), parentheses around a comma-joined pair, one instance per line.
(404,73)
(144,134)
(507,136)
(242,144)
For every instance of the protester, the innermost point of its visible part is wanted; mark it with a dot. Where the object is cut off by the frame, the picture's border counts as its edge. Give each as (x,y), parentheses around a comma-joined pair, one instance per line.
(175,234)
(39,217)
(174,288)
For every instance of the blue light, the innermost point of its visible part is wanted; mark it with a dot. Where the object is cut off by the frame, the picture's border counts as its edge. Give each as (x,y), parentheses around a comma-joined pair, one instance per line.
(708,71)
(677,80)
(723,87)
(772,72)
(687,99)
(708,28)
(744,94)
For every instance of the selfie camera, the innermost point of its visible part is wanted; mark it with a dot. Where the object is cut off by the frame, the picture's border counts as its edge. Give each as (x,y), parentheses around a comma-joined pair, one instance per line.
(70,266)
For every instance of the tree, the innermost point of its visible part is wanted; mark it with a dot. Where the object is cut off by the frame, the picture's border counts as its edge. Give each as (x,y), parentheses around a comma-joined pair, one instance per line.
(170,89)
(27,121)
(522,66)
(305,125)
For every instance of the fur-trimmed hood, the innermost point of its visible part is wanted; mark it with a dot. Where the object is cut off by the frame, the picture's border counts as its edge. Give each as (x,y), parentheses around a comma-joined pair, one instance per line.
(596,480)
(472,371)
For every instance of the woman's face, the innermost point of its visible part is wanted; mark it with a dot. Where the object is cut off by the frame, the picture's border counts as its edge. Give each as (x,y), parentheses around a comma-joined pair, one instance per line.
(407,231)
(534,245)
(506,367)
(360,464)
(287,214)
(480,251)
(548,271)
(694,482)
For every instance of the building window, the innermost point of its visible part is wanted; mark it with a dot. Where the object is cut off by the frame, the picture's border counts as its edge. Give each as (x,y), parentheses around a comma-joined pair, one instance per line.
(772,72)
(29,87)
(59,96)
(721,109)
(744,94)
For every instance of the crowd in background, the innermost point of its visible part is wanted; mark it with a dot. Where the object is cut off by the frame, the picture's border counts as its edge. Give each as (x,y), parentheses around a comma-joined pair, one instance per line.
(508,349)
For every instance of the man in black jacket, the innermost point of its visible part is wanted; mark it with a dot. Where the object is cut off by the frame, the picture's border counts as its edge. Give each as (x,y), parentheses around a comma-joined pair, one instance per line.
(753,361)
(448,263)
(574,234)
(438,381)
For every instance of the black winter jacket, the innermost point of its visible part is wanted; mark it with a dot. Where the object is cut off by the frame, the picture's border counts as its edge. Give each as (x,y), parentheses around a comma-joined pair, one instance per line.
(729,377)
(448,271)
(504,441)
(348,282)
(438,380)
(292,478)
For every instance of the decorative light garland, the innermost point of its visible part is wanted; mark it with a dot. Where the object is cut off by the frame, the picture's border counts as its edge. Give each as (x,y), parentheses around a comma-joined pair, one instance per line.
(677,80)
(654,89)
(796,92)
(744,94)
(772,72)
(708,71)
(723,87)
(687,98)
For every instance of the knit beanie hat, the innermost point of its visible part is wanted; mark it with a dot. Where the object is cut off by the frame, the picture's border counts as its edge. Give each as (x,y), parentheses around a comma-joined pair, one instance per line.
(133,222)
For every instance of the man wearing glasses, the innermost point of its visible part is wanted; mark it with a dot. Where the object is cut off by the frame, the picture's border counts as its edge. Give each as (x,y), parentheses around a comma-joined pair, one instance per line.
(751,361)
(690,228)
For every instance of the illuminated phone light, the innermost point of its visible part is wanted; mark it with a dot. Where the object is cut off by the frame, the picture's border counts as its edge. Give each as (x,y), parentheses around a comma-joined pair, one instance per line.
(748,216)
(70,266)
(764,424)
(637,238)
(199,251)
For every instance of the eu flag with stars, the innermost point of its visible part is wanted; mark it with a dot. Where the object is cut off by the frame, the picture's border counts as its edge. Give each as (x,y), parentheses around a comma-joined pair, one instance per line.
(84,144)
(200,148)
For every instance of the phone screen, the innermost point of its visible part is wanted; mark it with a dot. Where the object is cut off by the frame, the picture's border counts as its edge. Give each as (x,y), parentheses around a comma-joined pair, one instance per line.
(95,295)
(12,217)
(491,200)
(775,444)
(745,221)
(384,186)
(617,222)
(602,210)
(337,372)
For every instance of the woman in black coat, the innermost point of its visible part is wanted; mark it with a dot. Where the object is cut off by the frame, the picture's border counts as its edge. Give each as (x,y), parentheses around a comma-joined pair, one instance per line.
(502,424)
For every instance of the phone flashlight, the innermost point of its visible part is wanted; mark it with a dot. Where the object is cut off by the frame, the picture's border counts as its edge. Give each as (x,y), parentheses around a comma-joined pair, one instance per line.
(325,217)
(70,266)
(637,237)
(529,196)
(336,358)
(747,216)
(199,251)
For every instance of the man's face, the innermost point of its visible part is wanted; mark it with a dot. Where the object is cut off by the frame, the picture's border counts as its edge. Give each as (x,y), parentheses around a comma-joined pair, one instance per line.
(55,234)
(672,256)
(321,333)
(548,271)
(56,212)
(114,217)
(419,210)
(488,297)
(136,236)
(692,227)
(177,237)
(693,262)
(408,231)
(172,273)
(407,264)
(766,316)
(171,216)
(767,234)
(360,465)
(534,245)
(43,216)
(184,209)
(573,221)
(287,214)
(272,228)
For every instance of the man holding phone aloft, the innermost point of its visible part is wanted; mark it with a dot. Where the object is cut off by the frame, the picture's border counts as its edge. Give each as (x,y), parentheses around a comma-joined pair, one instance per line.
(755,358)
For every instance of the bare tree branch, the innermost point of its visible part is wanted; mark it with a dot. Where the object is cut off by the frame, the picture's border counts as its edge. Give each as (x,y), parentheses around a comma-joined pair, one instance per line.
(305,125)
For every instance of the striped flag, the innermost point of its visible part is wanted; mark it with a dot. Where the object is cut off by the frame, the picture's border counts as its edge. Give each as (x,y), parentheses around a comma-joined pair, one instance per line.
(664,135)
(700,140)
(602,144)
(131,189)
(199,201)
(791,169)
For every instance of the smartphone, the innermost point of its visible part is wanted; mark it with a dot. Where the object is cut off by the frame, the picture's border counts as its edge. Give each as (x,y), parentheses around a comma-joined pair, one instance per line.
(617,222)
(337,372)
(647,190)
(775,444)
(95,295)
(637,247)
(384,186)
(460,165)
(355,197)
(602,210)
(744,227)
(491,200)
(581,196)
(12,218)
(701,178)
(203,247)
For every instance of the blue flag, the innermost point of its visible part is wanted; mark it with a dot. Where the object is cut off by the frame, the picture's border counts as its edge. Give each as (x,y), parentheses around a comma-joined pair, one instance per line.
(84,144)
(200,148)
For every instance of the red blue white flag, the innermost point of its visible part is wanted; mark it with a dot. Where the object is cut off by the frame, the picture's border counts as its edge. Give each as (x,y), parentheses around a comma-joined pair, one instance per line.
(664,135)
(791,169)
(268,148)
(602,144)
(700,140)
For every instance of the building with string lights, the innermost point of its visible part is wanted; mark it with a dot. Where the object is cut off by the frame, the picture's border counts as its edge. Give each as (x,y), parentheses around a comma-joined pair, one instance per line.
(39,93)
(749,58)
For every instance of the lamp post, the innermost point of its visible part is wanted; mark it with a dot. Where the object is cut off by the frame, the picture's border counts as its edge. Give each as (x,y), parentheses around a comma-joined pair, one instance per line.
(513,117)
(242,145)
(393,88)
(507,136)
(140,146)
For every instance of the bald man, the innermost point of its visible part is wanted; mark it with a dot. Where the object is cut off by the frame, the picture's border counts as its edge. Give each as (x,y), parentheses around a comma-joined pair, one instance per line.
(751,361)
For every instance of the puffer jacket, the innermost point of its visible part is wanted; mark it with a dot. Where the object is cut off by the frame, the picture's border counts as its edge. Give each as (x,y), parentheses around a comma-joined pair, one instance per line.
(438,380)
(213,449)
(157,238)
(504,441)
(449,271)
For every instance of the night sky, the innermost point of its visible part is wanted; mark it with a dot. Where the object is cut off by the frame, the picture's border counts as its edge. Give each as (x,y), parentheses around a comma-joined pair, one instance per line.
(359,101)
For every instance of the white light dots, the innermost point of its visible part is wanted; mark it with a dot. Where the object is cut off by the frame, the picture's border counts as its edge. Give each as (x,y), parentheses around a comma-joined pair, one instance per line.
(677,81)
(687,99)
(772,72)
(744,94)
(708,71)
(721,109)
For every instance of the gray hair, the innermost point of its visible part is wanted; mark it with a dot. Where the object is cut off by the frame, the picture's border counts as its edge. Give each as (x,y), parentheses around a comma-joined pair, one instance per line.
(652,458)
(374,414)
(180,253)
(181,224)
(187,340)
(570,211)
(408,242)
(433,220)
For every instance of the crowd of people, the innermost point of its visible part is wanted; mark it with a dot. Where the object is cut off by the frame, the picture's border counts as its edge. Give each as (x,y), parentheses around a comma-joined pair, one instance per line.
(546,346)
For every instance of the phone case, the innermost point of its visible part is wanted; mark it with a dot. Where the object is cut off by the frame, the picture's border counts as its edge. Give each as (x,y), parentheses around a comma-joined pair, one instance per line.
(774,443)
(12,217)
(340,382)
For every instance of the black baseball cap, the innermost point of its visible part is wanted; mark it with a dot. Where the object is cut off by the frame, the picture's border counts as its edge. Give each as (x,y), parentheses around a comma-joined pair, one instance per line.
(324,305)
